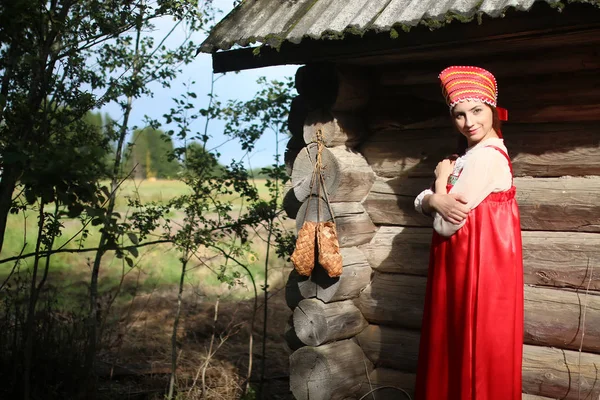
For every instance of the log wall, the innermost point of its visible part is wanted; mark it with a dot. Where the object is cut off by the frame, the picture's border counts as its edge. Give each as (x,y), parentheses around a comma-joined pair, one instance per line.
(327,363)
(382,146)
(553,138)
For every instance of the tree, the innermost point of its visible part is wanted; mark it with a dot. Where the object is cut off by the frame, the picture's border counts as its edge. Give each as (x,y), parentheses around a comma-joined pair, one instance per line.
(59,60)
(43,51)
(151,155)
(197,156)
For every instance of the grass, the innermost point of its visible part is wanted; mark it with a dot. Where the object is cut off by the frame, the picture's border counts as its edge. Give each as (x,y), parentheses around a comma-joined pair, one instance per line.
(156,266)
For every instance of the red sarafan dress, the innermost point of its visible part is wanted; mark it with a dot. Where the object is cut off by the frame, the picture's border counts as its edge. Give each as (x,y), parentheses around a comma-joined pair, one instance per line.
(472,331)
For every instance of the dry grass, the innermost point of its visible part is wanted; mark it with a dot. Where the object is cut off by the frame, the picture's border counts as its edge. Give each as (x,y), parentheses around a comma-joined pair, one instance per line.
(143,348)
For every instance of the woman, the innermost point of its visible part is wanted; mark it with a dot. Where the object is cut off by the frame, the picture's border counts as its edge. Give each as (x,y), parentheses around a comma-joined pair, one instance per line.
(472,331)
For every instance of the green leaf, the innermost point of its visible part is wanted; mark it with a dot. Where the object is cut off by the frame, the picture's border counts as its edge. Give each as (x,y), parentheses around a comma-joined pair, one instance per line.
(133,251)
(129,262)
(133,237)
(96,221)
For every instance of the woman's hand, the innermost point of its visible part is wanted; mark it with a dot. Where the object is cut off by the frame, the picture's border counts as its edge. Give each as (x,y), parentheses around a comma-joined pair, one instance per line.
(444,169)
(452,207)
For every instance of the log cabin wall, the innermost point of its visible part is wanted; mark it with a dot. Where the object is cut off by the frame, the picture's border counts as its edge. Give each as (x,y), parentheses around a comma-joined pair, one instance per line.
(553,137)
(327,361)
(361,331)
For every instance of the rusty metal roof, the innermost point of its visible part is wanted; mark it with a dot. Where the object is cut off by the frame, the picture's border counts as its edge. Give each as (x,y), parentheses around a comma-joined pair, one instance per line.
(273,22)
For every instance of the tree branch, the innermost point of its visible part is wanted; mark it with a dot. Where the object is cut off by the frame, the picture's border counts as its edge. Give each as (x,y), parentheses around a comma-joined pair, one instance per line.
(48,253)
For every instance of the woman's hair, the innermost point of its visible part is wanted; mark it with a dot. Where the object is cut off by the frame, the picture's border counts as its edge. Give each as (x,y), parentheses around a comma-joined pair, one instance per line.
(496,124)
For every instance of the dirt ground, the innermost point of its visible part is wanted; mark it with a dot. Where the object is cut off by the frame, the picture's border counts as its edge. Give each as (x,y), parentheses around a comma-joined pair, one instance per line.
(136,361)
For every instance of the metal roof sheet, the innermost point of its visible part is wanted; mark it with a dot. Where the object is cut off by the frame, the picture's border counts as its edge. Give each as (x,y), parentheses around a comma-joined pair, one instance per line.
(276,21)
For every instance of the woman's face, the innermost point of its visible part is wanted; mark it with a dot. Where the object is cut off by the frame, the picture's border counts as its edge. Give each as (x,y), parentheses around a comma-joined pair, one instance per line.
(474,120)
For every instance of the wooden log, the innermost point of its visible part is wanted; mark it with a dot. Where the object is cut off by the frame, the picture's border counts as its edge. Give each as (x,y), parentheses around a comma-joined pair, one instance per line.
(389,384)
(517,93)
(354,227)
(552,317)
(535,397)
(559,204)
(393,299)
(391,202)
(337,128)
(298,288)
(390,347)
(317,323)
(330,372)
(385,118)
(543,150)
(574,97)
(291,340)
(339,88)
(290,203)
(399,250)
(555,259)
(560,374)
(346,173)
(299,79)
(293,147)
(356,275)
(580,58)
(553,204)
(549,372)
(304,180)
(387,379)
(561,259)
(297,116)
(564,319)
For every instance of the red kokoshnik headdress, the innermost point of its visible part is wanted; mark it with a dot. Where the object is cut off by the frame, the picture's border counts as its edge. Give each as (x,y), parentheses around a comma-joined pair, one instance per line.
(463,83)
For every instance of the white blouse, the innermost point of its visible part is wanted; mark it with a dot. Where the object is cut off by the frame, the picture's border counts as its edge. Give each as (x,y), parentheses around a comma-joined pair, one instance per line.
(481,170)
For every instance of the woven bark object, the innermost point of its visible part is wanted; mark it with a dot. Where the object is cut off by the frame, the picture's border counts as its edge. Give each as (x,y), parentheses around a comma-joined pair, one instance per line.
(329,249)
(304,254)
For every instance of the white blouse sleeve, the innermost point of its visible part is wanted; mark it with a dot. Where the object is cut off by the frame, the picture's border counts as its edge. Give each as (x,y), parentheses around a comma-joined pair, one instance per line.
(486,171)
(419,200)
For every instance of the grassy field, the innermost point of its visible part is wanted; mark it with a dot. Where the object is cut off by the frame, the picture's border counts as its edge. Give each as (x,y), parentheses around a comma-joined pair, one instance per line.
(156,266)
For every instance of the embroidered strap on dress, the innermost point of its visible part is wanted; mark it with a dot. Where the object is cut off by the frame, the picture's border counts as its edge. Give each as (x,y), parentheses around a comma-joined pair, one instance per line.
(512,179)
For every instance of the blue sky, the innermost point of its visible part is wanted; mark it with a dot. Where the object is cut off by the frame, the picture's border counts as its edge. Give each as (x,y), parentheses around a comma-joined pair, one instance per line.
(241,86)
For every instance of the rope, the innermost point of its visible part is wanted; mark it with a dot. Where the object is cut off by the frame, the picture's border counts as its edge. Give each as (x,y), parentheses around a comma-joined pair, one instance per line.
(312,183)
(320,147)
(318,169)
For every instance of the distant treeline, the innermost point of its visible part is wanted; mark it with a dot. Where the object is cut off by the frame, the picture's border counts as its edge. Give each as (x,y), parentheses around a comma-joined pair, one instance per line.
(150,153)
